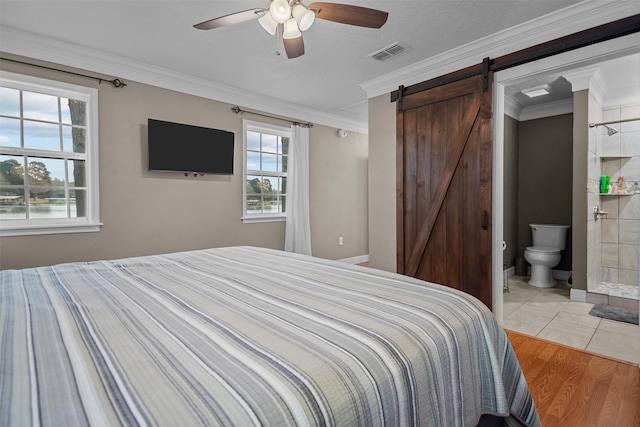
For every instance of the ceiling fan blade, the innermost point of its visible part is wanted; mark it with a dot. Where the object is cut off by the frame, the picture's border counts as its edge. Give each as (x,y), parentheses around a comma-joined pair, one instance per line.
(349,14)
(294,47)
(231,19)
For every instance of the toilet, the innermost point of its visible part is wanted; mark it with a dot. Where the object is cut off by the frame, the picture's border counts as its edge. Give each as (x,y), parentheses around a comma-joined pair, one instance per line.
(548,241)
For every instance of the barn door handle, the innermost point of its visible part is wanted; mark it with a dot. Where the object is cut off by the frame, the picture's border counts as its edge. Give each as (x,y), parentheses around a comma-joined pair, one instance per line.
(485,220)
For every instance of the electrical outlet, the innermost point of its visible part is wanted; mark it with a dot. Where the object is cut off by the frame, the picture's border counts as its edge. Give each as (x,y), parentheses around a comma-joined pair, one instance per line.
(340,241)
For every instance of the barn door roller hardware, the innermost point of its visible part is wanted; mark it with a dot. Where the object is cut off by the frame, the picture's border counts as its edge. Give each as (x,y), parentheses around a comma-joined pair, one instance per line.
(485,74)
(400,94)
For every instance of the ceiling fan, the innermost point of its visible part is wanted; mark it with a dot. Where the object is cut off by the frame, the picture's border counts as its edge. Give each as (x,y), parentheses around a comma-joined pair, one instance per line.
(289,18)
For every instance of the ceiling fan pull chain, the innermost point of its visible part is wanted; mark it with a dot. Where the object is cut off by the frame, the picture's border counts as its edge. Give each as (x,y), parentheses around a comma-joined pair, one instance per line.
(278,38)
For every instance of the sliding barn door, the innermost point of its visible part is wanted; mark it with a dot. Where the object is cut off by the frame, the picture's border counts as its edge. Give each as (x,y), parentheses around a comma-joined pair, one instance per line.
(444,167)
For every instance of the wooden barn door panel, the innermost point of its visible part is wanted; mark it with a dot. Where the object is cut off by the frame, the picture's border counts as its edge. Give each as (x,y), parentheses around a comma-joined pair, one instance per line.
(444,187)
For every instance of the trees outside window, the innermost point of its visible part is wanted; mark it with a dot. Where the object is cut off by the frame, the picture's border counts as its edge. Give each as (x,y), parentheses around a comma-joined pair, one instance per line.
(49,130)
(266,150)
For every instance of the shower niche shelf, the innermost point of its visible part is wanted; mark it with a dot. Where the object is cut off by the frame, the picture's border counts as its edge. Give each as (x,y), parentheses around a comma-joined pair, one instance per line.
(614,157)
(633,190)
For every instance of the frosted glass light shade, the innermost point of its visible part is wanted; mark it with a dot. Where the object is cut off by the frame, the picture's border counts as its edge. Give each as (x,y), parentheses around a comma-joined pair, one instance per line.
(268,24)
(291,30)
(280,11)
(304,17)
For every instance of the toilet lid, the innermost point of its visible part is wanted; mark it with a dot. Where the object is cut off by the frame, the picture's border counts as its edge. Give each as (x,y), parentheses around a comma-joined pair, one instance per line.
(543,249)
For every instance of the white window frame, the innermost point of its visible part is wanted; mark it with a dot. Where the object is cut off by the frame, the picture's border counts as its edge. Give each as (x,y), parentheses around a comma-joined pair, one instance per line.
(248,125)
(91,222)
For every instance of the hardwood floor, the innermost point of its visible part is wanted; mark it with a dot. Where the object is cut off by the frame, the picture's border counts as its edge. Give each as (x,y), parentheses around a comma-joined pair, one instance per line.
(571,387)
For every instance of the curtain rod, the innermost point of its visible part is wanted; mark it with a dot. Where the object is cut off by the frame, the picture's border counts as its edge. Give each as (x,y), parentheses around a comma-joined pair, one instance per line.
(115,82)
(239,110)
(592,125)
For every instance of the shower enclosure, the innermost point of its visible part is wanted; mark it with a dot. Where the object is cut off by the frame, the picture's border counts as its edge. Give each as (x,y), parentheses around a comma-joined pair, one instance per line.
(613,248)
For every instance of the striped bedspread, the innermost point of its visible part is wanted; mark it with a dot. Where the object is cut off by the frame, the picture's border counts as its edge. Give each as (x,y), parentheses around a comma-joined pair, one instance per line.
(246,336)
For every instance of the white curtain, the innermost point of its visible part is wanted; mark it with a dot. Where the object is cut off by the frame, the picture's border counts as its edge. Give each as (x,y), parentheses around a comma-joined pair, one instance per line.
(298,229)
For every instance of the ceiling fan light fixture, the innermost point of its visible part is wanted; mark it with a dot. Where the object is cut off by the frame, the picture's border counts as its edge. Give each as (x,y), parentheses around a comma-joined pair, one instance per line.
(291,30)
(280,11)
(286,19)
(304,17)
(268,23)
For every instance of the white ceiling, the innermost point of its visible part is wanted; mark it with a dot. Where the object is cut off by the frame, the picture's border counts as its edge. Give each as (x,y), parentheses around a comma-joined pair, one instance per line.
(159,36)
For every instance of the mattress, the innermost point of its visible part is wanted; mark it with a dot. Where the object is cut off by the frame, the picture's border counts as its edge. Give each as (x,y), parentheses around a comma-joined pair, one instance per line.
(242,336)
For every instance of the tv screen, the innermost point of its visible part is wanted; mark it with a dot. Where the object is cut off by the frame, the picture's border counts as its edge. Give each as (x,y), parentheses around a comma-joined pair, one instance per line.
(186,148)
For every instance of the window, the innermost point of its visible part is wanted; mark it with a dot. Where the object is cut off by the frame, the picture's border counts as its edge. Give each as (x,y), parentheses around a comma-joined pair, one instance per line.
(266,149)
(48,157)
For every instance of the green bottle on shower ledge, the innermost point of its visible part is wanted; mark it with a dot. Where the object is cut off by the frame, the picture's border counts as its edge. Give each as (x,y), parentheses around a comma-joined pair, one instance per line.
(604,184)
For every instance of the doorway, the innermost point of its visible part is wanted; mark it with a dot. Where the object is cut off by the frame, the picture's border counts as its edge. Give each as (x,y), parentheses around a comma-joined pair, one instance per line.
(571,62)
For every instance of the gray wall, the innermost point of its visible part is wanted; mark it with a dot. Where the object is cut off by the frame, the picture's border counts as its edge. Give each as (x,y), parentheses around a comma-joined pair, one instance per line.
(545,178)
(510,208)
(579,244)
(152,212)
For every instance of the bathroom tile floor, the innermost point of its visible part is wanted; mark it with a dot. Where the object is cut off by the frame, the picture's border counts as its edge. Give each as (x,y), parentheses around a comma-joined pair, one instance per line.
(551,315)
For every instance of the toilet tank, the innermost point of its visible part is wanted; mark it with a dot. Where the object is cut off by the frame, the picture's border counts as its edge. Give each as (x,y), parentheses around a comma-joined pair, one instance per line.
(551,235)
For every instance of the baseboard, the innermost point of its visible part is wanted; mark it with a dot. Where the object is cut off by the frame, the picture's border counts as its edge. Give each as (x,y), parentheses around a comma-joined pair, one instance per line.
(556,274)
(511,271)
(356,259)
(579,295)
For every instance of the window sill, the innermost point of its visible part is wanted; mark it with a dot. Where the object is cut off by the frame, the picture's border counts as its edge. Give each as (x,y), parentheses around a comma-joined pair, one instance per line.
(263,218)
(34,230)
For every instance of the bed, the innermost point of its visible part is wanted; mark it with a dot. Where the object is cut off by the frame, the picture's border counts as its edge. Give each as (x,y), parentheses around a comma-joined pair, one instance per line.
(243,336)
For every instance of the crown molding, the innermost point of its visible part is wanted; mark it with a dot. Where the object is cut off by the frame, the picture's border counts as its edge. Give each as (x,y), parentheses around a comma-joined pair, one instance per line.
(549,109)
(569,20)
(581,79)
(588,79)
(591,79)
(512,108)
(46,49)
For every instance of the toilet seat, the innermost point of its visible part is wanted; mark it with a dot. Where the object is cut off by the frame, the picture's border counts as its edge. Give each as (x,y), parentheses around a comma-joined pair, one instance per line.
(543,250)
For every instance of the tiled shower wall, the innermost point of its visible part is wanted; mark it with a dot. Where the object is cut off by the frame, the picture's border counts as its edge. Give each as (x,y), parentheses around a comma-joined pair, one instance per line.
(617,238)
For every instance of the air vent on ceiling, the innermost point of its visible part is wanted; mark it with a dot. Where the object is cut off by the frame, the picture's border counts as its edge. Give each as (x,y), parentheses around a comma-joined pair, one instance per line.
(387,52)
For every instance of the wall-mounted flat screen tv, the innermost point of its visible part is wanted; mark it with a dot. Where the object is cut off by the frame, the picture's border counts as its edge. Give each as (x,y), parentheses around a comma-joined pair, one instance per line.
(187,148)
